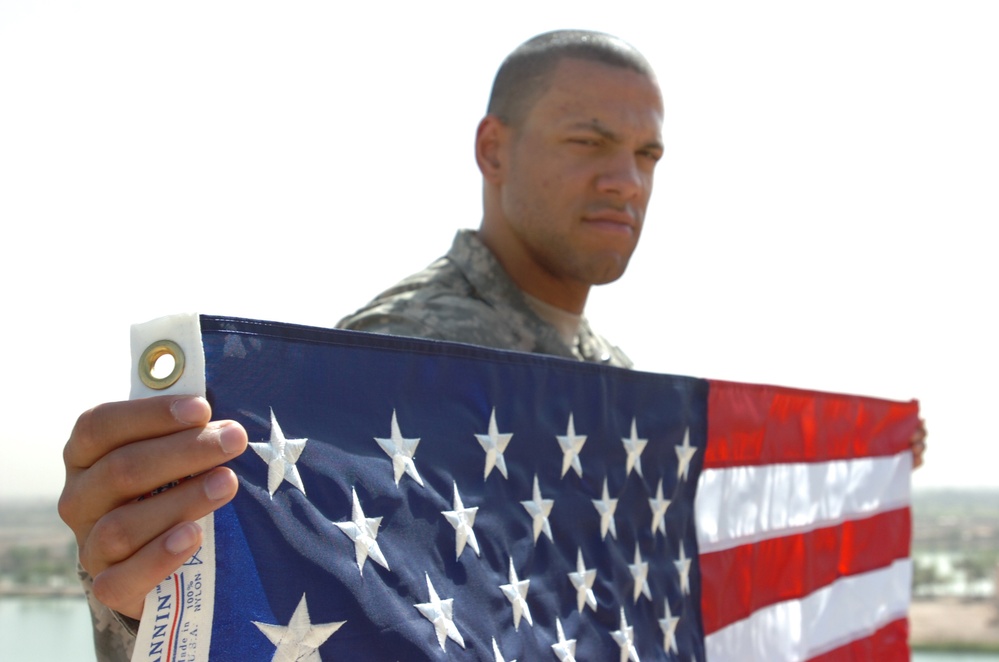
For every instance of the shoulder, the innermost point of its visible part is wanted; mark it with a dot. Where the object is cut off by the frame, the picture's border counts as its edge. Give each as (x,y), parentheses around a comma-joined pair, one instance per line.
(597,349)
(438,303)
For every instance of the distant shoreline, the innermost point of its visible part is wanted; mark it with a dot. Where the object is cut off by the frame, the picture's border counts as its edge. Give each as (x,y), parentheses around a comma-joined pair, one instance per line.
(41,592)
(951,624)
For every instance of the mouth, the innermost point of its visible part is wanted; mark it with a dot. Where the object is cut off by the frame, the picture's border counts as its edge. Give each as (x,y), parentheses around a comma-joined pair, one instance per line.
(612,220)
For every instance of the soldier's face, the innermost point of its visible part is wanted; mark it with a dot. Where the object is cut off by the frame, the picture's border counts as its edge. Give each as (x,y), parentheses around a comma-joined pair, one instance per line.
(581,167)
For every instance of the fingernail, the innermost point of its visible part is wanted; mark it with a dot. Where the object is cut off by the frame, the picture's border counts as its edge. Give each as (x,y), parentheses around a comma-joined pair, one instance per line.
(232,439)
(190,411)
(217,485)
(183,538)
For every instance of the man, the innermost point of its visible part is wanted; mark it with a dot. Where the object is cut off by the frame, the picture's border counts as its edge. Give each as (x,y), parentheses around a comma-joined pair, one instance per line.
(567,152)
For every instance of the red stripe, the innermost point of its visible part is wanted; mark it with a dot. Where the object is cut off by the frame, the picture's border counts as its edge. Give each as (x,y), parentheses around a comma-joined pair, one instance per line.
(176,616)
(736,582)
(752,424)
(889,644)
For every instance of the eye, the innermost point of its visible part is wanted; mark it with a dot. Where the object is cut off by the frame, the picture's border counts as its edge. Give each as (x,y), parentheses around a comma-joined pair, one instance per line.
(588,142)
(651,154)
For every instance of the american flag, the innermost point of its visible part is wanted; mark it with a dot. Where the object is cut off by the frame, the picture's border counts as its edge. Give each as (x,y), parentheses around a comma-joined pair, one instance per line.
(414,500)
(804,525)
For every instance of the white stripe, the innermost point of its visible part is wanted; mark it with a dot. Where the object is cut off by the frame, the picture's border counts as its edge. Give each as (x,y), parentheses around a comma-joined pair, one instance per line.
(741,505)
(850,608)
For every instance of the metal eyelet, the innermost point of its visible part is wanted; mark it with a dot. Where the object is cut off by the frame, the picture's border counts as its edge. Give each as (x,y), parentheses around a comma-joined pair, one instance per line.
(153,353)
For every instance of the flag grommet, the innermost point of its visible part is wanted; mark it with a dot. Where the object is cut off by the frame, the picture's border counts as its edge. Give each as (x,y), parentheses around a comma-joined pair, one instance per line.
(149,358)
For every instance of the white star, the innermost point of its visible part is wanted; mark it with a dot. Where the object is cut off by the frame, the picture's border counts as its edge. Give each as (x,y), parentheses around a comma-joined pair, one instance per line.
(300,639)
(401,451)
(494,444)
(684,454)
(364,532)
(441,614)
(606,507)
(582,580)
(565,650)
(233,347)
(625,638)
(633,446)
(668,625)
(683,567)
(280,454)
(659,506)
(516,593)
(571,444)
(640,572)
(496,652)
(462,519)
(539,509)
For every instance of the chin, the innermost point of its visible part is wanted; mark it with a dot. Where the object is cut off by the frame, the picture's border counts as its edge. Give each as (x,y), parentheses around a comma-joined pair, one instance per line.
(608,270)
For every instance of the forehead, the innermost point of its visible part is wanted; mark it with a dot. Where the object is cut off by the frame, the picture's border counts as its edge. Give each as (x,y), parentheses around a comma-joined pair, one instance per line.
(585,91)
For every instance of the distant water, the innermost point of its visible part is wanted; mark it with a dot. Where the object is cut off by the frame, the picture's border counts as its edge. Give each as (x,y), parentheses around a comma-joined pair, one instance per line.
(45,630)
(58,630)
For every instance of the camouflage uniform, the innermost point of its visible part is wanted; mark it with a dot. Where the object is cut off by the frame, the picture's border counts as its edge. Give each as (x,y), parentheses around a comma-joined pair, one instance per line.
(114,634)
(465,296)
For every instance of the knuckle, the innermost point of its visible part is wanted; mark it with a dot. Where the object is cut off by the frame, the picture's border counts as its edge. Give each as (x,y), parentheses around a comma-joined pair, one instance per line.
(123,472)
(108,592)
(68,507)
(67,451)
(83,438)
(110,540)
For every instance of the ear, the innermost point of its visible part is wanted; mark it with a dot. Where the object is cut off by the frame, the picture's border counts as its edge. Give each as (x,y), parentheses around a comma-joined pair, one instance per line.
(491,140)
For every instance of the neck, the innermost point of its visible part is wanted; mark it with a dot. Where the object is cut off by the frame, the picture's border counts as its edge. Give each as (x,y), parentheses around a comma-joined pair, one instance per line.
(566,323)
(533,279)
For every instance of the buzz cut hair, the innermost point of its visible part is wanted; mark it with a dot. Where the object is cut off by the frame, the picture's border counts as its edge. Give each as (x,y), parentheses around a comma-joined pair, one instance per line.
(526,73)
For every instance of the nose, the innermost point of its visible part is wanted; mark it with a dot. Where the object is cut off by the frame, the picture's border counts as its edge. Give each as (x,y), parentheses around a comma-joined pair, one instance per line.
(622,176)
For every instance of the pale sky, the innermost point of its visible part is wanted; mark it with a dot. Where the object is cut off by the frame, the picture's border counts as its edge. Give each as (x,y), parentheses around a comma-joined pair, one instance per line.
(824,216)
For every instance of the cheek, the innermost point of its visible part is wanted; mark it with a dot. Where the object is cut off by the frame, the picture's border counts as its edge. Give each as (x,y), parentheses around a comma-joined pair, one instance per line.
(646,194)
(555,173)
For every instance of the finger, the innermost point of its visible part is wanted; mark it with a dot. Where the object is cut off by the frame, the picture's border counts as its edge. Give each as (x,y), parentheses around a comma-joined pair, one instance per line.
(918,449)
(106,427)
(139,468)
(126,530)
(123,586)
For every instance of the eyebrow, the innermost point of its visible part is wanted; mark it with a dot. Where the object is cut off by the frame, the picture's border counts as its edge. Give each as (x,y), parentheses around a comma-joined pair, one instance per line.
(597,127)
